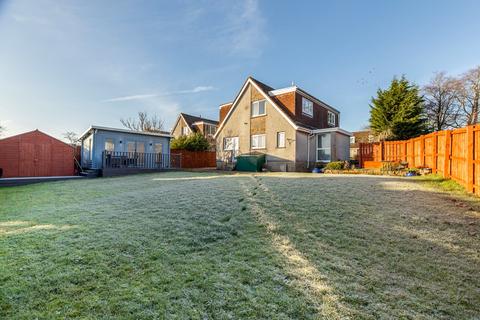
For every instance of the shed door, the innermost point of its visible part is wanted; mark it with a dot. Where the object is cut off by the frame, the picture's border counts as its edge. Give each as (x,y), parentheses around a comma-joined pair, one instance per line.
(27,160)
(43,159)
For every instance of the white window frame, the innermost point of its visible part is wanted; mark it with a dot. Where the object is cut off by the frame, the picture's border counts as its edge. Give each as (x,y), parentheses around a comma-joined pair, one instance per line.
(256,104)
(281,143)
(256,136)
(352,140)
(129,143)
(155,145)
(111,142)
(331,118)
(307,107)
(210,129)
(234,144)
(185,131)
(323,148)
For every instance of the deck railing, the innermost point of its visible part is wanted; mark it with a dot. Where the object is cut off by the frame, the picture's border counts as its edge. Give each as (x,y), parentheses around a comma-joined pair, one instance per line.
(140,160)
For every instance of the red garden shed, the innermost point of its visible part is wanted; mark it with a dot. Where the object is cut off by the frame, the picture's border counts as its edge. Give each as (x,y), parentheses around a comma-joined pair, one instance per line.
(35,154)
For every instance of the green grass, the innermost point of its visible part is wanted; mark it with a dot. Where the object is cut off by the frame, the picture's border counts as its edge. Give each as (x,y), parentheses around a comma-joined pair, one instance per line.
(437,181)
(211,246)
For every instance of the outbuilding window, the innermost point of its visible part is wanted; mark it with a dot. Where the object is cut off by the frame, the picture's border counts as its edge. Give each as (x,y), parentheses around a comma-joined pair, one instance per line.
(109,145)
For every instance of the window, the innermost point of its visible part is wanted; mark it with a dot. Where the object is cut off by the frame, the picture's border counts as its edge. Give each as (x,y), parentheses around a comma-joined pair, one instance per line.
(324,152)
(258,108)
(371,138)
(185,131)
(158,148)
(307,107)
(352,139)
(258,141)
(210,129)
(131,146)
(109,145)
(230,143)
(281,139)
(140,147)
(331,118)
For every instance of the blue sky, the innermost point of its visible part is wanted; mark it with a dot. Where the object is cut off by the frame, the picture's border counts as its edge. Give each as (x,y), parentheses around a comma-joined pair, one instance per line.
(65,65)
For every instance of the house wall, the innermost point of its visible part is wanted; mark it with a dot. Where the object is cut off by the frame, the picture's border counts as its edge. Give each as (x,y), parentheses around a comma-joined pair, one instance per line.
(177,131)
(319,114)
(242,125)
(292,103)
(120,140)
(342,146)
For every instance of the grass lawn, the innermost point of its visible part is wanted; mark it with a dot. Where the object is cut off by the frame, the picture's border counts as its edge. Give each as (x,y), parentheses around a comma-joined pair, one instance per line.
(204,245)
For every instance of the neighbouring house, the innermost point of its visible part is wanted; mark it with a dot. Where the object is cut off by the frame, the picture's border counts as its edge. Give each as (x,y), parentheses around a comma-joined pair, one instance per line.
(187,124)
(111,148)
(364,136)
(36,154)
(294,129)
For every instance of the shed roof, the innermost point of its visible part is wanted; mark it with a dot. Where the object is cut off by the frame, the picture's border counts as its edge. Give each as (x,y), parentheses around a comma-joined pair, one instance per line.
(143,133)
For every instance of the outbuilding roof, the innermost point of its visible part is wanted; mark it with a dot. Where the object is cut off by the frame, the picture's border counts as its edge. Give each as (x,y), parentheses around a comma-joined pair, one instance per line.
(143,133)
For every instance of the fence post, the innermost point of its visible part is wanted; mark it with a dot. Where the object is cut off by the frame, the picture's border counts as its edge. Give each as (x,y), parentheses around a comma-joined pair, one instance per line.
(422,151)
(434,152)
(381,151)
(470,163)
(446,162)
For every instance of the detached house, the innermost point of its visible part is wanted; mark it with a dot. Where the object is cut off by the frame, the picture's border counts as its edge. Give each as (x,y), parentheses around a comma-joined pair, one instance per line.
(290,126)
(187,124)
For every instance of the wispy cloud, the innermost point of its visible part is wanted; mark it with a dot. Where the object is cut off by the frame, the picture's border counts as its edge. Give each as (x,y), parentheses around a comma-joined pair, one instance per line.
(247,29)
(162,94)
(30,19)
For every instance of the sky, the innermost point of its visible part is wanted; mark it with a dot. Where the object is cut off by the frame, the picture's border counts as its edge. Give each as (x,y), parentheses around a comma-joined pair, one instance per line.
(66,65)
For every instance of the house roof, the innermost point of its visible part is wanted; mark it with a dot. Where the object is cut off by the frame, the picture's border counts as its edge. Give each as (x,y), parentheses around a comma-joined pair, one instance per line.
(144,133)
(297,120)
(269,93)
(189,119)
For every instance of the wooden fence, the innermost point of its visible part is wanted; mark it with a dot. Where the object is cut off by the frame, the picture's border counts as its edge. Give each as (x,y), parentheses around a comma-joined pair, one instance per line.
(196,159)
(453,154)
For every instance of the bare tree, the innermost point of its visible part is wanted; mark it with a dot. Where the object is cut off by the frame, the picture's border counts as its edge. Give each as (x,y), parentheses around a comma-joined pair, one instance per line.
(72,138)
(468,96)
(144,122)
(441,105)
(1,129)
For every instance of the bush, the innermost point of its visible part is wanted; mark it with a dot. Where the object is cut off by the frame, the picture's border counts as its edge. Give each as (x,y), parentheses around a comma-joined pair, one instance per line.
(192,142)
(391,166)
(335,165)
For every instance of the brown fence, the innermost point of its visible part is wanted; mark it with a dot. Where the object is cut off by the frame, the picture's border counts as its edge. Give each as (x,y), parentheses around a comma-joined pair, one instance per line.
(452,153)
(196,159)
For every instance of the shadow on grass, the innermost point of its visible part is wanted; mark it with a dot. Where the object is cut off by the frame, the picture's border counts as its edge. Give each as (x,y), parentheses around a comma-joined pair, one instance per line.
(385,246)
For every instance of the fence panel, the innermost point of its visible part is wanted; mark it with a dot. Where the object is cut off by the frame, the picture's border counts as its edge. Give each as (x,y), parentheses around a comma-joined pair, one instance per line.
(452,153)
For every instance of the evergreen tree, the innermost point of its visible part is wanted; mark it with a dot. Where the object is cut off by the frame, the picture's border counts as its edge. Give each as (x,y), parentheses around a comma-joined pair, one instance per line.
(397,113)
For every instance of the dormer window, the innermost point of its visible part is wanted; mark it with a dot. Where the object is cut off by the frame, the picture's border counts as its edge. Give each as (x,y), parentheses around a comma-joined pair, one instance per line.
(258,108)
(307,107)
(331,119)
